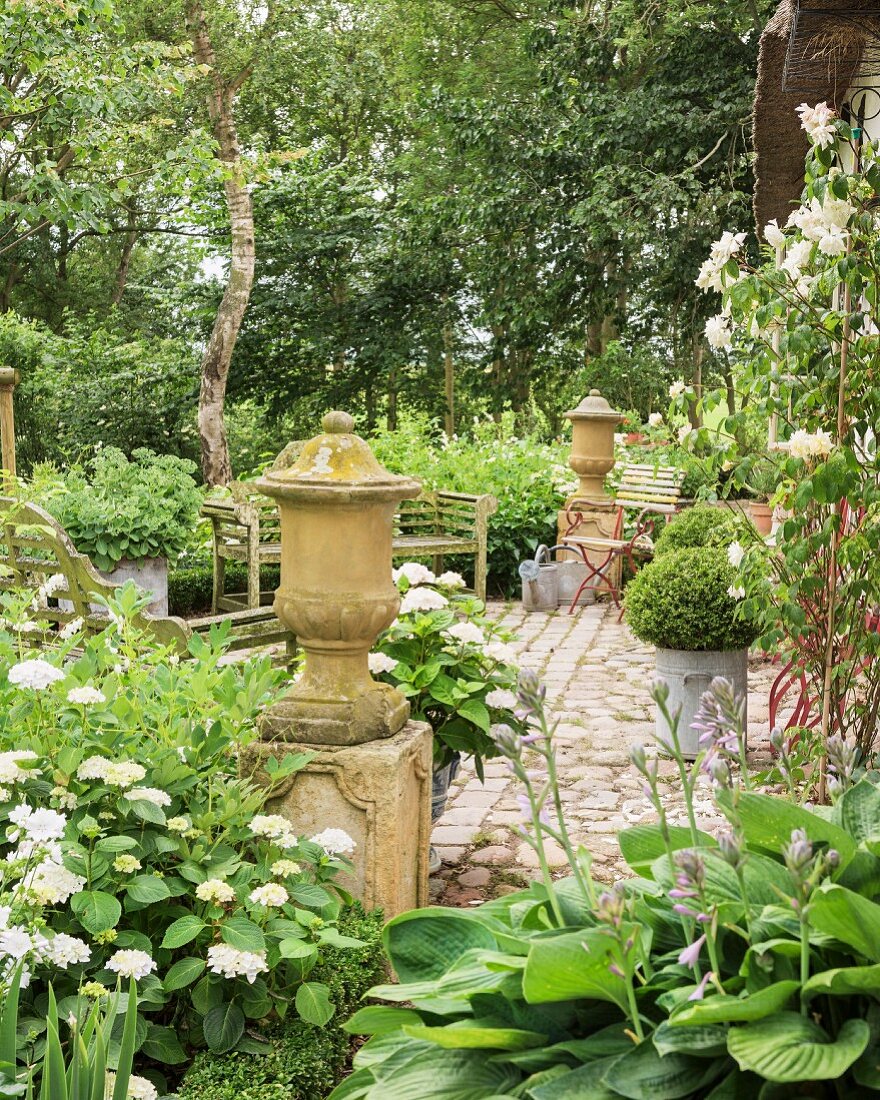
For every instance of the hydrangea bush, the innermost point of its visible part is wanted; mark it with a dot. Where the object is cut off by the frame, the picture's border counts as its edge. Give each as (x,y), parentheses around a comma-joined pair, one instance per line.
(455,665)
(131,849)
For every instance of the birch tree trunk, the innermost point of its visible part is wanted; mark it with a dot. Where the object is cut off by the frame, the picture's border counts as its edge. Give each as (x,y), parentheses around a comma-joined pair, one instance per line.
(216,467)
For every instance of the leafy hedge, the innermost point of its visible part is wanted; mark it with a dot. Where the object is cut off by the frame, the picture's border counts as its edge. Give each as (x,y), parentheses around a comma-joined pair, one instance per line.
(304,1062)
(190,587)
(702,525)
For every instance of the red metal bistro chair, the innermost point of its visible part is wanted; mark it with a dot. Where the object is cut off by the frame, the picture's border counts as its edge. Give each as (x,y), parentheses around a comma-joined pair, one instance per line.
(644,494)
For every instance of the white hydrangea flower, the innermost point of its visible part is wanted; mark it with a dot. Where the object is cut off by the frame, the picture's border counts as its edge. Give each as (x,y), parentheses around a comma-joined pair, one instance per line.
(232,963)
(177,824)
(284,867)
(466,633)
(11,770)
(64,950)
(736,592)
(272,895)
(501,698)
(414,572)
(336,842)
(93,767)
(422,599)
(451,580)
(655,420)
(274,827)
(501,652)
(124,773)
(677,389)
(381,662)
(718,332)
(35,673)
(71,629)
(16,942)
(818,123)
(216,891)
(735,554)
(50,883)
(86,695)
(139,1088)
(126,863)
(773,235)
(39,825)
(131,964)
(150,794)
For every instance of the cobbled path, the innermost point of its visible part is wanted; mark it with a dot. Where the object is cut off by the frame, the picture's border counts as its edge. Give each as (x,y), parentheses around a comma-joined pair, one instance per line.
(598,679)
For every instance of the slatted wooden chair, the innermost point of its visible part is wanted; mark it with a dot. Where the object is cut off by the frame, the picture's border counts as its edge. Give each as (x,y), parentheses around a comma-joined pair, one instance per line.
(435,525)
(643,494)
(34,547)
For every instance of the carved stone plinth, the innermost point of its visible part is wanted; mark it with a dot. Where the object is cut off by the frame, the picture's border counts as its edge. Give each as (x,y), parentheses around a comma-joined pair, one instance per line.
(377,792)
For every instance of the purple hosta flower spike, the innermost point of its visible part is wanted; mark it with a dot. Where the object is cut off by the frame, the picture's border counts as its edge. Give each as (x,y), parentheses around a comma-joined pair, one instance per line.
(611,904)
(700,991)
(530,693)
(690,956)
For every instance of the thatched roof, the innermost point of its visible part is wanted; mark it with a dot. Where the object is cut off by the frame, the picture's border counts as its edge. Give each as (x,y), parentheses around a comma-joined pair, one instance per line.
(780,143)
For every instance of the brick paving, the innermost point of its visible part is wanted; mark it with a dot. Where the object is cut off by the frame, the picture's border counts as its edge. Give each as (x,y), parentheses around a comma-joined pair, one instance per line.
(598,678)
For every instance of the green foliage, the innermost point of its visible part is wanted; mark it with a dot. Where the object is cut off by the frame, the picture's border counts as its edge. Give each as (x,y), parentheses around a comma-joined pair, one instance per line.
(190,586)
(145,507)
(702,525)
(529,479)
(681,601)
(302,1061)
(742,965)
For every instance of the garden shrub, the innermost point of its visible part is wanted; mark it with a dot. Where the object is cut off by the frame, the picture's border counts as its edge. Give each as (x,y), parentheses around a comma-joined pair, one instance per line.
(303,1062)
(190,587)
(683,600)
(134,846)
(701,525)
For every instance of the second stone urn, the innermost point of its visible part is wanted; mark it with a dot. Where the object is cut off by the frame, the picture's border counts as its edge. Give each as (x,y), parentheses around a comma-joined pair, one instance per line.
(337,506)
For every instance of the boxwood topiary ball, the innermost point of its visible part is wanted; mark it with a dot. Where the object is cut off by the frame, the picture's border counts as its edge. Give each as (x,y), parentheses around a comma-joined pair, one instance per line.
(702,525)
(680,601)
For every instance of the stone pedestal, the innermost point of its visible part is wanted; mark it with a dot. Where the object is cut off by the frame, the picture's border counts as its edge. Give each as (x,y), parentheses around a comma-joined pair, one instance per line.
(379,793)
(597,523)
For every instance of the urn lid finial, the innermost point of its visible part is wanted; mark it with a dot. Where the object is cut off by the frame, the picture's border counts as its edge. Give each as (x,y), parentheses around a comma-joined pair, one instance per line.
(594,407)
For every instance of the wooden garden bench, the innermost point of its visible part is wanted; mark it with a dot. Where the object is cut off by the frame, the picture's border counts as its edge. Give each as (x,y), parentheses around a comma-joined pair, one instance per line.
(643,493)
(245,527)
(34,546)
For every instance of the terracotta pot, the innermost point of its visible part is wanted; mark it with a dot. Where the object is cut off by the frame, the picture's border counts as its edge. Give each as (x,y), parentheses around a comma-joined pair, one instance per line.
(762,516)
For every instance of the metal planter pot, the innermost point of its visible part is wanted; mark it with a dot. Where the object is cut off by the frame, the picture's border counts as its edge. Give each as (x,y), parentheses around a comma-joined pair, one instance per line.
(688,674)
(442,781)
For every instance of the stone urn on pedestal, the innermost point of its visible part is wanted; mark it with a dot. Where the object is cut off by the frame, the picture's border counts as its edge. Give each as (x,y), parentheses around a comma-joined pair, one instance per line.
(371,769)
(594,423)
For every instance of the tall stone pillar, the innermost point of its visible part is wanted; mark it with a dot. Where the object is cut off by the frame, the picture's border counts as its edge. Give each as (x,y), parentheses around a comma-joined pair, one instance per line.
(371,769)
(592,457)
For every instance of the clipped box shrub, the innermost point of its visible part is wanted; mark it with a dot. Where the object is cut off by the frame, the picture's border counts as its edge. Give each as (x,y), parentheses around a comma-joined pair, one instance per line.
(302,1062)
(681,601)
(701,525)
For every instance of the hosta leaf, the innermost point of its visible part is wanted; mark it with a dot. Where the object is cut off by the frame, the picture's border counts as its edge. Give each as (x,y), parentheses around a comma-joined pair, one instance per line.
(718,1009)
(845,980)
(380,1020)
(704,1040)
(768,822)
(849,917)
(641,845)
(645,1074)
(791,1047)
(427,942)
(858,811)
(472,1036)
(442,1075)
(572,965)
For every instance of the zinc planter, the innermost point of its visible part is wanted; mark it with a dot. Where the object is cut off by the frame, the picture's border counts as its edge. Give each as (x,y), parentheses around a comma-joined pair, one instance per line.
(442,780)
(688,674)
(149,574)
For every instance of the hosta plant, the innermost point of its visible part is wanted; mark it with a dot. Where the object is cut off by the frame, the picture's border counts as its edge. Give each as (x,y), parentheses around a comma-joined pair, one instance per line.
(130,846)
(451,661)
(745,964)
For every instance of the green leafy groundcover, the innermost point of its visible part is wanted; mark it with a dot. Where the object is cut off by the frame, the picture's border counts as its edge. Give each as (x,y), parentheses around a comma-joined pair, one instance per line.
(303,1062)
(498,1002)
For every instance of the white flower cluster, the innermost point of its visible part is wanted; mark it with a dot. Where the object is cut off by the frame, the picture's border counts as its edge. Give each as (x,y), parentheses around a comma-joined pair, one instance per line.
(808,445)
(50,883)
(414,572)
(11,770)
(149,794)
(724,249)
(501,698)
(736,592)
(131,964)
(233,963)
(381,662)
(336,842)
(818,123)
(48,588)
(422,599)
(735,554)
(215,891)
(655,420)
(824,223)
(451,580)
(120,773)
(466,633)
(501,652)
(274,827)
(35,673)
(86,695)
(718,331)
(71,629)
(272,895)
(40,826)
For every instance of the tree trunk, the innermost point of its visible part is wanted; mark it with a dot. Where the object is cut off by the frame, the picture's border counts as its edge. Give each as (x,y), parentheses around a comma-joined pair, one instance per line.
(216,467)
(449,382)
(122,268)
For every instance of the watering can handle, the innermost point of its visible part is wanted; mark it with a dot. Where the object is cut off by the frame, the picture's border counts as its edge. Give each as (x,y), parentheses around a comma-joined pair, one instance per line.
(542,554)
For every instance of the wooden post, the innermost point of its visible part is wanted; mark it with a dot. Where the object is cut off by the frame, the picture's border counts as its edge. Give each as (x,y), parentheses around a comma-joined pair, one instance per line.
(8,382)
